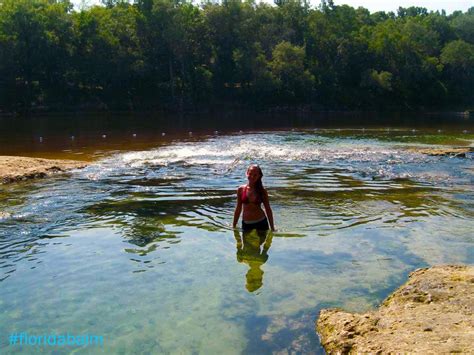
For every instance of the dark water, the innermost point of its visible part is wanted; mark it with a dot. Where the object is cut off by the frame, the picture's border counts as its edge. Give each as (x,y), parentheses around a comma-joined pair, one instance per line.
(138,246)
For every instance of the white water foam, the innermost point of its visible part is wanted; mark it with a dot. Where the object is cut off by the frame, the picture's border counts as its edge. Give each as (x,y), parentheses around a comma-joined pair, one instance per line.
(224,153)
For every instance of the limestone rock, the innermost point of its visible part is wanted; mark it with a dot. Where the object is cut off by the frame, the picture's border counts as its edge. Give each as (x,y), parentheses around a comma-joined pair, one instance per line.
(14,168)
(431,313)
(459,152)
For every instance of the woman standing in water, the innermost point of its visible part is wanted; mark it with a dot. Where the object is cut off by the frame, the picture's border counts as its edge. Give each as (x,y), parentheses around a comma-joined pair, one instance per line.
(251,196)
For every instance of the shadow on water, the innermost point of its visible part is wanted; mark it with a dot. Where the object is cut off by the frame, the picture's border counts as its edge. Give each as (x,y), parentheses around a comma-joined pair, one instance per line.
(286,335)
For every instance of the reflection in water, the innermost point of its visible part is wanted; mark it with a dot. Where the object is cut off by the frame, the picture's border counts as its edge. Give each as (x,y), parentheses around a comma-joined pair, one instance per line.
(252,249)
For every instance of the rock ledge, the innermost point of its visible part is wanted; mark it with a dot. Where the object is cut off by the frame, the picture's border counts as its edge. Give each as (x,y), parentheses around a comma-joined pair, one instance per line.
(458,152)
(431,313)
(14,168)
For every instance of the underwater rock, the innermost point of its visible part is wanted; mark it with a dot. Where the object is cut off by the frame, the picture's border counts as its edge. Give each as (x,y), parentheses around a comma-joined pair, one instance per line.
(4,215)
(432,312)
(459,152)
(23,168)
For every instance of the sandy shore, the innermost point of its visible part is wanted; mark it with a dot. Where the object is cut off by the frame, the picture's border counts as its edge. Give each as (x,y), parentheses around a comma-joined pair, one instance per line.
(433,313)
(13,168)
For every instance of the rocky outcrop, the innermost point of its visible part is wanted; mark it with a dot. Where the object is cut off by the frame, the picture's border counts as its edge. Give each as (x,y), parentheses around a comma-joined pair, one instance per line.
(431,313)
(14,168)
(459,152)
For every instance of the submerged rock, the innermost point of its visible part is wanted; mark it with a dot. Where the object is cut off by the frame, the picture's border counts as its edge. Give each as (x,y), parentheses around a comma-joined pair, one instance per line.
(14,168)
(4,215)
(432,312)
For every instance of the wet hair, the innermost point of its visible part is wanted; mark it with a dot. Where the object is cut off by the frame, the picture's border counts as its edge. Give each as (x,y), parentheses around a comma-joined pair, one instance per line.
(258,183)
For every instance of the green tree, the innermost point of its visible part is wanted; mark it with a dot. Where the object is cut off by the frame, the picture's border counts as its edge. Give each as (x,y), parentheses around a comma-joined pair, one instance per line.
(108,55)
(463,25)
(458,58)
(177,55)
(294,82)
(35,49)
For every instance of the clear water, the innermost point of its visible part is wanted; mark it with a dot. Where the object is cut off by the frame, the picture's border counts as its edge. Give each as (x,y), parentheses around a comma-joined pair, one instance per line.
(138,247)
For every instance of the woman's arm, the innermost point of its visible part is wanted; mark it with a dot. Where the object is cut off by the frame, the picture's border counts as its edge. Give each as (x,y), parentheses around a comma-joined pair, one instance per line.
(238,208)
(268,209)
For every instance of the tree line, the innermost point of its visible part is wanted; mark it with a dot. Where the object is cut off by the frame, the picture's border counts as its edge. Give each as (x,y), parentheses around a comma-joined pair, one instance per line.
(173,54)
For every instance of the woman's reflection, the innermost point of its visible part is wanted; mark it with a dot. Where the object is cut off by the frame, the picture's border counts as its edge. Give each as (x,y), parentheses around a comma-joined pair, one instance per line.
(252,249)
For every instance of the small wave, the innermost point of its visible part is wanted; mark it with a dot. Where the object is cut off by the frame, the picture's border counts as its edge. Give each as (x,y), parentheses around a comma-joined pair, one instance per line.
(225,154)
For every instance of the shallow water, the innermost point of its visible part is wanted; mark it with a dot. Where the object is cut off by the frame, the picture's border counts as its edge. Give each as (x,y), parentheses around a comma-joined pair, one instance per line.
(138,247)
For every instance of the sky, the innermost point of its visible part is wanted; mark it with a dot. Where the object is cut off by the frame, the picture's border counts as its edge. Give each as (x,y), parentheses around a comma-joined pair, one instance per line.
(378,5)
(393,5)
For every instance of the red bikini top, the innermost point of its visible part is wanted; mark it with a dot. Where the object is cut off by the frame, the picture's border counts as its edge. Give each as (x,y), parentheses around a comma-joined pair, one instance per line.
(245,198)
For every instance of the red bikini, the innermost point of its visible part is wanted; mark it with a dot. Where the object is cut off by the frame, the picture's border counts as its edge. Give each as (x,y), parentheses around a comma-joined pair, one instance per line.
(245,198)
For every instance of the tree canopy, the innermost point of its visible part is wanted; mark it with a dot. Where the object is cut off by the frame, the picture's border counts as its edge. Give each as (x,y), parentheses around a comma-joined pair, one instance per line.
(174,54)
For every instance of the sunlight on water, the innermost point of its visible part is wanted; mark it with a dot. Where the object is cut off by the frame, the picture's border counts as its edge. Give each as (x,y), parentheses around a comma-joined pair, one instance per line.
(138,247)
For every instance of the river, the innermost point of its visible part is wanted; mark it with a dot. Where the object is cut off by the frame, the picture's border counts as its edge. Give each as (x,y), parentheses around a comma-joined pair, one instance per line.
(138,247)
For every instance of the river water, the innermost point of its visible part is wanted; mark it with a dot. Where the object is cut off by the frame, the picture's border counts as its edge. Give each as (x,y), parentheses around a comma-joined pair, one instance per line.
(138,247)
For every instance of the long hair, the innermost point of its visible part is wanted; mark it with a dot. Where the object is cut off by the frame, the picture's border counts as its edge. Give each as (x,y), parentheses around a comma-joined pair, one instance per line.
(258,183)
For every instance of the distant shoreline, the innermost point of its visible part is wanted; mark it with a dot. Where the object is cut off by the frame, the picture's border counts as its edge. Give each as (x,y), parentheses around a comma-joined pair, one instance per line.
(233,110)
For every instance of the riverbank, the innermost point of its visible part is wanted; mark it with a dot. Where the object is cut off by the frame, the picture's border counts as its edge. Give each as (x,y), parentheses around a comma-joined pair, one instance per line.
(14,168)
(230,109)
(433,311)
